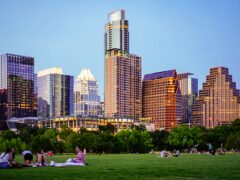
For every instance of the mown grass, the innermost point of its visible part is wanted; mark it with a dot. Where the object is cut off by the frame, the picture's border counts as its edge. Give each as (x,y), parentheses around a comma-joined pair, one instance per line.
(135,166)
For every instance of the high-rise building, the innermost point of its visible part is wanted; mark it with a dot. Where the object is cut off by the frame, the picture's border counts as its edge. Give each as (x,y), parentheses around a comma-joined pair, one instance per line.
(189,90)
(162,99)
(116,32)
(123,71)
(16,87)
(86,98)
(55,93)
(218,102)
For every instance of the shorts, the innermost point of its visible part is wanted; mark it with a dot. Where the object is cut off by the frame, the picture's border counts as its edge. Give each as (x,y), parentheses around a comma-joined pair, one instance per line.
(28,157)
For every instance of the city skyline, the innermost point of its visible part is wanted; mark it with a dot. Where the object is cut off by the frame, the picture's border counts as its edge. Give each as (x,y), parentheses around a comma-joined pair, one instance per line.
(189,37)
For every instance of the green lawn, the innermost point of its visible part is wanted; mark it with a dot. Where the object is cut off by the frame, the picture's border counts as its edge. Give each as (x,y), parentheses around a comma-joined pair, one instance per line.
(135,166)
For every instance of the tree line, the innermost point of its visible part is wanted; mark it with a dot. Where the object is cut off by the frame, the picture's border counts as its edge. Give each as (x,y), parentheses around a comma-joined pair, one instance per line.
(134,140)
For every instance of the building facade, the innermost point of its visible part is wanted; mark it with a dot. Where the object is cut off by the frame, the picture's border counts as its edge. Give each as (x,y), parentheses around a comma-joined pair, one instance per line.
(162,100)
(123,71)
(189,90)
(218,102)
(55,93)
(86,98)
(16,87)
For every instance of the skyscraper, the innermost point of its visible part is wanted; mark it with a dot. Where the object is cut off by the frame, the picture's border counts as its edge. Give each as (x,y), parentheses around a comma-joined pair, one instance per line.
(189,90)
(162,99)
(123,71)
(116,32)
(16,87)
(218,102)
(86,98)
(55,93)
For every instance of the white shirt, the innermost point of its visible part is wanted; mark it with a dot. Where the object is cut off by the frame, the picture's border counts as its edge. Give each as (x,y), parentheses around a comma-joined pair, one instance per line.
(4,158)
(26,152)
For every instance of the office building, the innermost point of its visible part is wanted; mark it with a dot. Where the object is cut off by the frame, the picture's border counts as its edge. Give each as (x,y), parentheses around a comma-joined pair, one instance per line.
(16,87)
(55,93)
(162,100)
(218,102)
(86,98)
(189,90)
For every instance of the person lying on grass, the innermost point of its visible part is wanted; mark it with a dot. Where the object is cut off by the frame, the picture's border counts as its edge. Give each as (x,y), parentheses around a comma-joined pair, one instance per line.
(78,161)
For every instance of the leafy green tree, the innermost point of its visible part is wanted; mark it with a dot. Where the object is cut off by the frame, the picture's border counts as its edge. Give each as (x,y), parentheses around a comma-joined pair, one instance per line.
(235,127)
(185,137)
(71,142)
(108,128)
(233,141)
(65,132)
(160,140)
(107,142)
(220,135)
(9,135)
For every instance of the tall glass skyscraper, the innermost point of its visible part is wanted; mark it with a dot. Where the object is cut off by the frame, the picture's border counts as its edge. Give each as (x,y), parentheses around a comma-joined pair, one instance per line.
(86,98)
(55,93)
(123,71)
(218,102)
(189,90)
(16,87)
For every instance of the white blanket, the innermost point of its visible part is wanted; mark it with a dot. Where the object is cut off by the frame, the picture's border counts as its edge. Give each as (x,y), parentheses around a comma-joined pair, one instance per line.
(66,164)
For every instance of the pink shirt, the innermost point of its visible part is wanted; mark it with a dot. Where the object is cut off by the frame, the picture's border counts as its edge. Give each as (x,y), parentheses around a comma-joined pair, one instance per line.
(80,157)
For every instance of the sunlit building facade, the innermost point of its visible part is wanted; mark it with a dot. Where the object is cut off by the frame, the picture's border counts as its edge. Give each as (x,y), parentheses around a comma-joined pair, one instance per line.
(189,90)
(218,102)
(16,87)
(123,71)
(55,93)
(86,98)
(162,99)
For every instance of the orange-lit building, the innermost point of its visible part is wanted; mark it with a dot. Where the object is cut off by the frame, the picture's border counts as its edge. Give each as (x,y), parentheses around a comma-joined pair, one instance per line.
(162,99)
(123,70)
(218,101)
(122,85)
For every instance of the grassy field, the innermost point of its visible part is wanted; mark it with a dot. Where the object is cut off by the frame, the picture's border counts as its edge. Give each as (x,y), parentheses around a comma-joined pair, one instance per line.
(135,166)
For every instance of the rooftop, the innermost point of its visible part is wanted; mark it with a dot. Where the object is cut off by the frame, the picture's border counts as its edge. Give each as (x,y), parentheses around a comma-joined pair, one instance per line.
(158,75)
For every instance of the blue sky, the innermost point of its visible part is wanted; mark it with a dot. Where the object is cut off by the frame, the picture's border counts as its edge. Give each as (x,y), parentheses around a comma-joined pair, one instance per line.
(190,36)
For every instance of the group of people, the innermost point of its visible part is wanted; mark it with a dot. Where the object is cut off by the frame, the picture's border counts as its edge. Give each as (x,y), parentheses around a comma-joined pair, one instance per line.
(7,159)
(164,153)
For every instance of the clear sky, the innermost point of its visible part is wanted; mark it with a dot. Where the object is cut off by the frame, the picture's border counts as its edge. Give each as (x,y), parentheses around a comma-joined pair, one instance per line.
(190,36)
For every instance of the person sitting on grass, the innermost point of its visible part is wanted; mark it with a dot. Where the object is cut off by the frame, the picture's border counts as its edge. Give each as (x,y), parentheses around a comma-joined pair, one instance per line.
(41,158)
(176,153)
(78,161)
(79,156)
(164,154)
(27,158)
(6,159)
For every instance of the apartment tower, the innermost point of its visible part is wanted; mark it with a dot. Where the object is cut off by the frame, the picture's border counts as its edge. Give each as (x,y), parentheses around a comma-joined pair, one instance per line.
(123,71)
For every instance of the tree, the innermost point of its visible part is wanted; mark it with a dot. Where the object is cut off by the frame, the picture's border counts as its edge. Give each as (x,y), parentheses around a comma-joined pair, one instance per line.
(107,128)
(133,141)
(233,141)
(185,137)
(236,126)
(160,139)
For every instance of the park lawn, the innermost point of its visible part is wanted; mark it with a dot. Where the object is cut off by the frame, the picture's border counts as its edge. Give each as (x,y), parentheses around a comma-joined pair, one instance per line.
(135,166)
